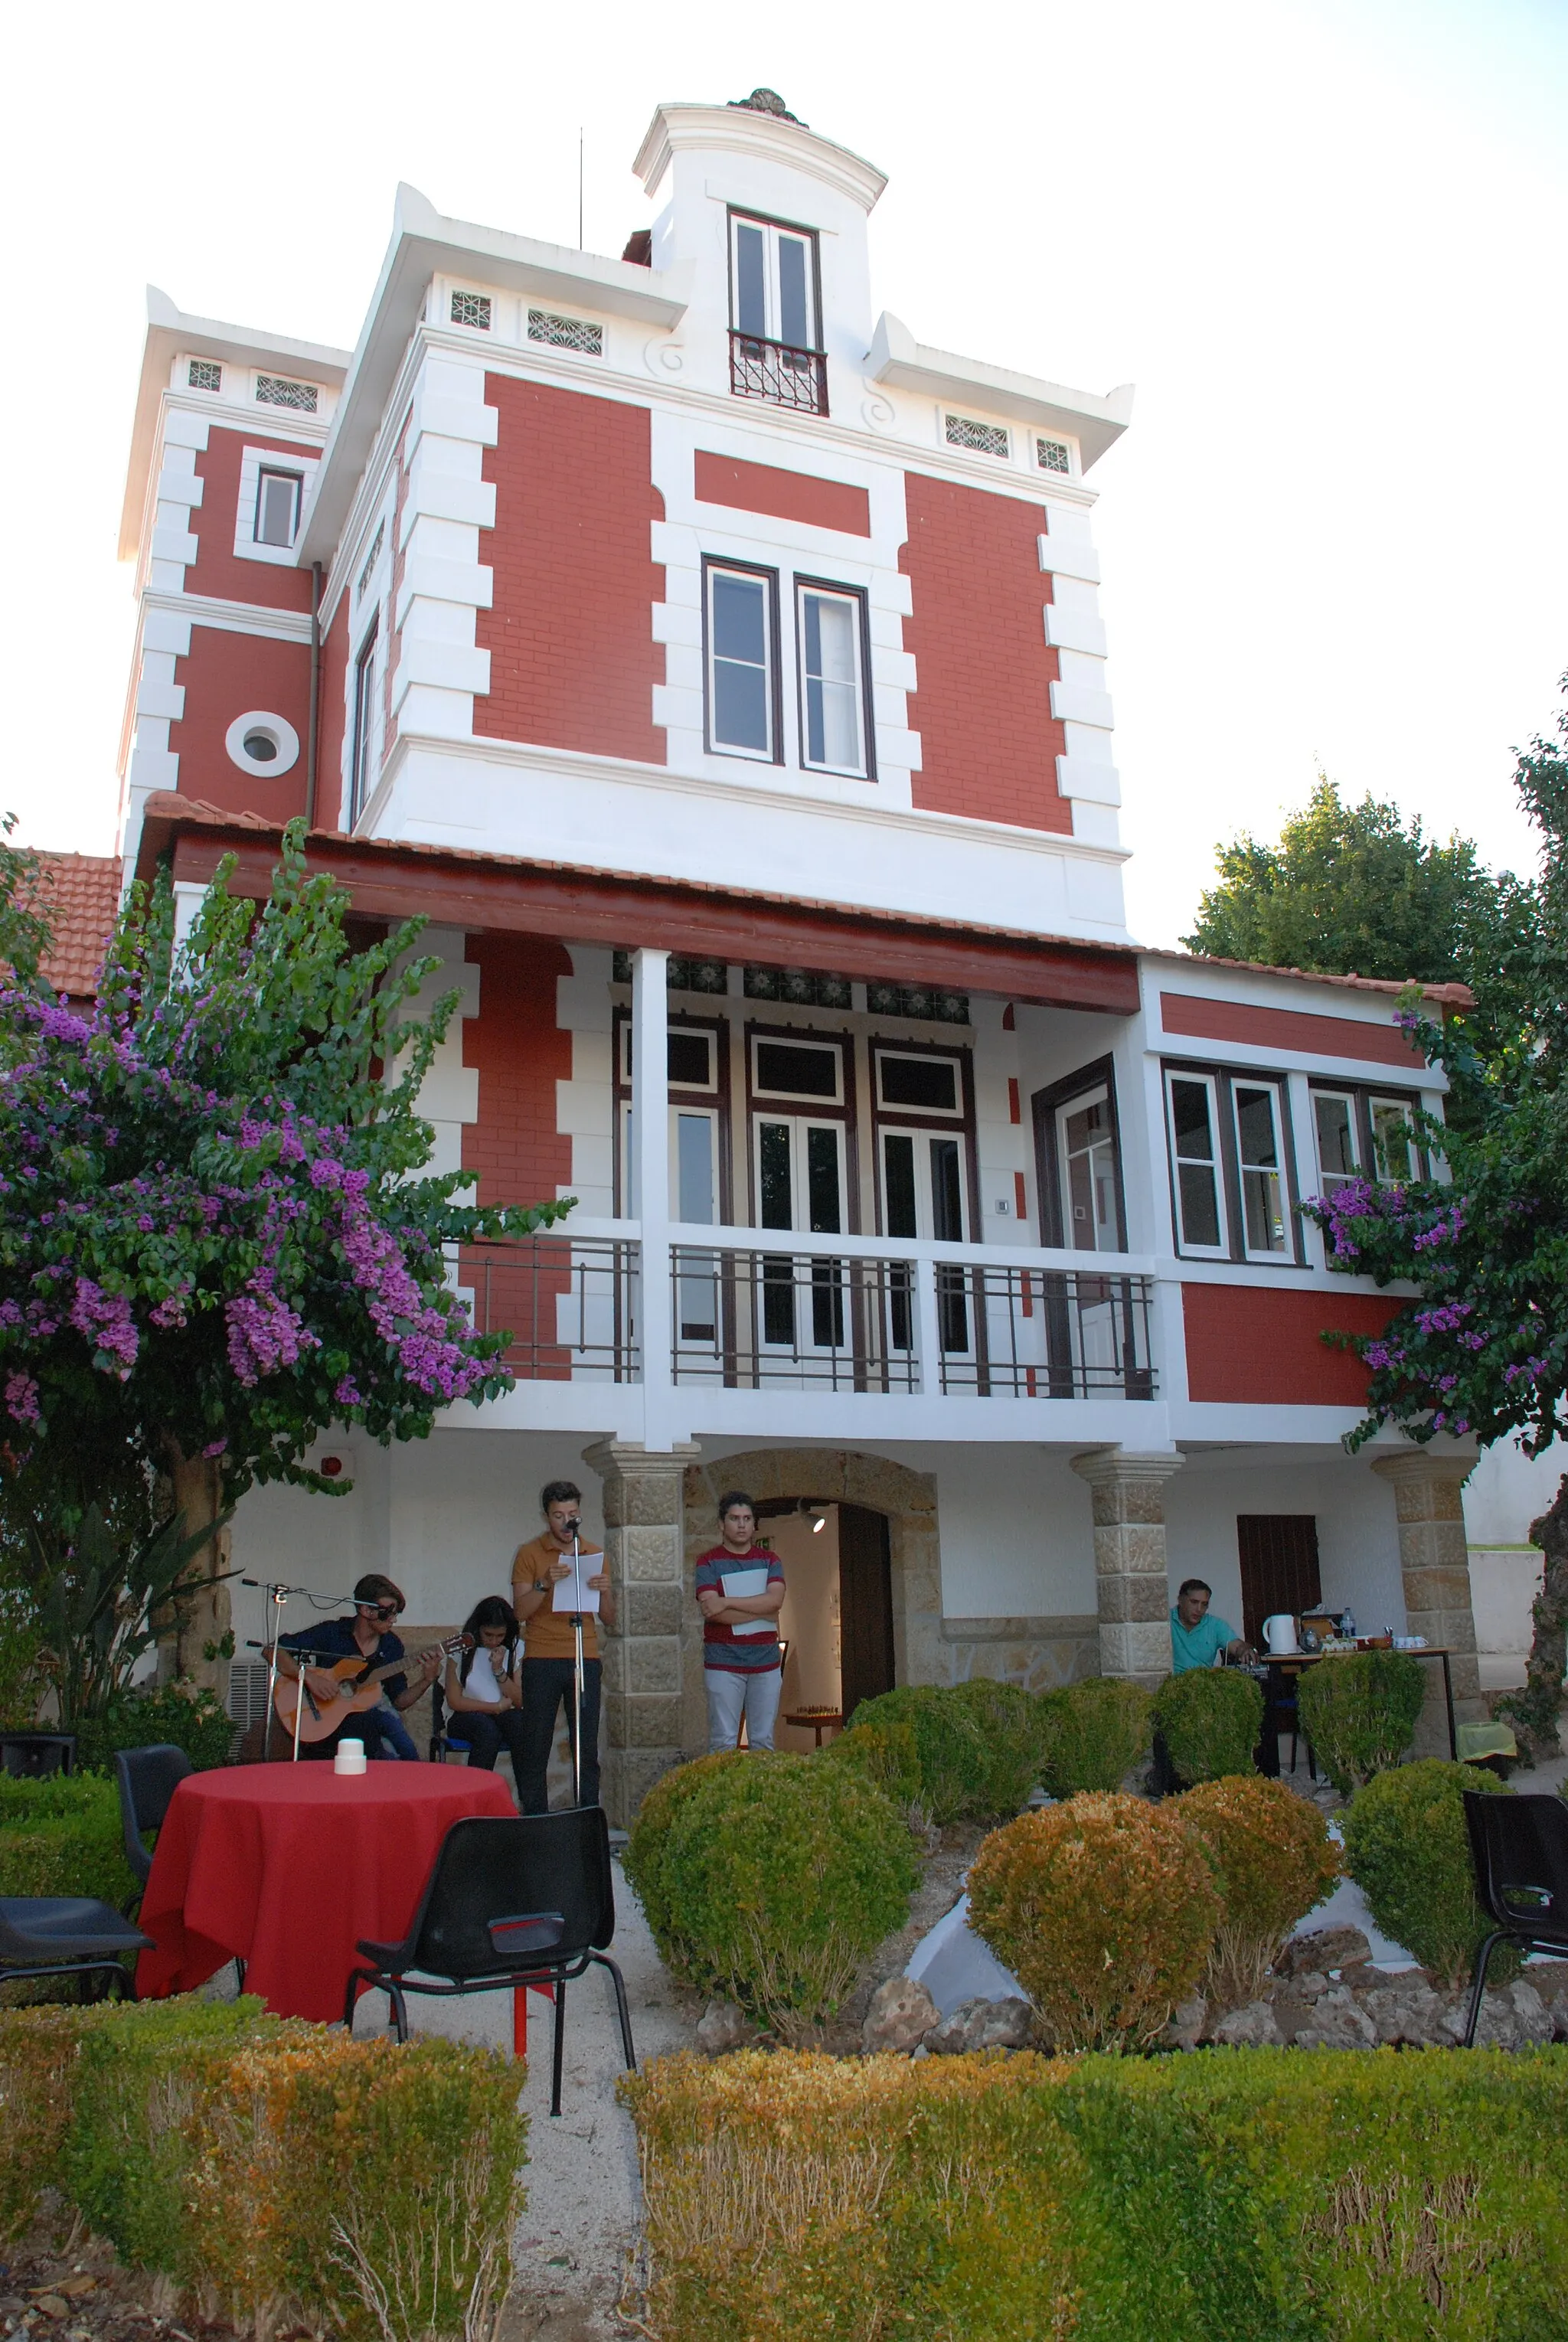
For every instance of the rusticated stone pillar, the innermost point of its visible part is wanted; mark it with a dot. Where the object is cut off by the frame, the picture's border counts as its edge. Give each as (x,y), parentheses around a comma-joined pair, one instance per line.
(1131,1580)
(645,1550)
(1434,1563)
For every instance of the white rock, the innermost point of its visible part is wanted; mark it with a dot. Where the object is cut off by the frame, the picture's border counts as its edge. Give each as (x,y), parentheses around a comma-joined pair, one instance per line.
(901,2013)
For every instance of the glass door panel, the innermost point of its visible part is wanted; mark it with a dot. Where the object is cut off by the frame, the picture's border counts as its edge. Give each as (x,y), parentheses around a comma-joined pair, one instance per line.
(800,1185)
(923,1196)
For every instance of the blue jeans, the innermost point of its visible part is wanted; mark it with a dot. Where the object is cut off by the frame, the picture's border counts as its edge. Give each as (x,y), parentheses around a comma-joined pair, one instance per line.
(396,1734)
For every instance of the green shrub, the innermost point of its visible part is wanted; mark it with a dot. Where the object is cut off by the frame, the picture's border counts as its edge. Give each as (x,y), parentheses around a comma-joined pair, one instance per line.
(1211,1720)
(1104,1908)
(1407,1848)
(1009,1722)
(1359,1713)
(1274,1861)
(1092,1734)
(647,1845)
(782,1873)
(62,1836)
(37,2051)
(955,1768)
(1249,2196)
(885,1755)
(176,1715)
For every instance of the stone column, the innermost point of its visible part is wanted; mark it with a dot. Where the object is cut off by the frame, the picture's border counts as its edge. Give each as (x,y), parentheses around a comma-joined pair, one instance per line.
(644,1549)
(1131,1580)
(1434,1563)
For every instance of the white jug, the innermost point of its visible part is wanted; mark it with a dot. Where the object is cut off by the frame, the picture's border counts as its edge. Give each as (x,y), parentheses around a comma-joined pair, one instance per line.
(1280,1634)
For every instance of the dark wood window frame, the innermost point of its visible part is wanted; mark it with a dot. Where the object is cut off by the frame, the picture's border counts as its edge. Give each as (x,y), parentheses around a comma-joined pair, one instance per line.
(717,1098)
(712,561)
(1045,1106)
(1225,1079)
(964,1124)
(843,1110)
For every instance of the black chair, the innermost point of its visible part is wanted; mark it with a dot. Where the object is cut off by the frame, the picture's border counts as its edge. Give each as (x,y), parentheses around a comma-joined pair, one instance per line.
(148,1778)
(1519,1846)
(443,1741)
(509,1902)
(35,1755)
(67,1935)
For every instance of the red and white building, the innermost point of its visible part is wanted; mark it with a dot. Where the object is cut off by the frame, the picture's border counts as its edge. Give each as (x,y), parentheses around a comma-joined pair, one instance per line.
(719,669)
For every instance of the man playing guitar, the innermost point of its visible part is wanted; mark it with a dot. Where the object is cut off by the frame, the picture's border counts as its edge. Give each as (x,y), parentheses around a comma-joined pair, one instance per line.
(366,1635)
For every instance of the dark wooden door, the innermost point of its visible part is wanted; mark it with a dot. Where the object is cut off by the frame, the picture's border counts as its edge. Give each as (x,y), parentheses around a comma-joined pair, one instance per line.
(1279,1567)
(864,1606)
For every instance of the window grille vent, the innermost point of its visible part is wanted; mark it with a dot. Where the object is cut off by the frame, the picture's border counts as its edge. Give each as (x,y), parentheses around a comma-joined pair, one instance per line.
(272,390)
(985,439)
(802,987)
(566,333)
(681,975)
(204,374)
(929,1006)
(371,558)
(1053,456)
(472,309)
(247,1691)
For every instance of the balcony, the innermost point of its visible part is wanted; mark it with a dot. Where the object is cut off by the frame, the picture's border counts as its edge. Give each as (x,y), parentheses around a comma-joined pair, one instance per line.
(779,372)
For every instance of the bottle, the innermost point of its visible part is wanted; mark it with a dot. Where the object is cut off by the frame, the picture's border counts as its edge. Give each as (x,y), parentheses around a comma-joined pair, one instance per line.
(1347,1625)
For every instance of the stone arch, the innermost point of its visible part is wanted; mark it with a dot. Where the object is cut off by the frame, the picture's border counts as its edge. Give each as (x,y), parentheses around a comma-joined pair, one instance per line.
(907,1501)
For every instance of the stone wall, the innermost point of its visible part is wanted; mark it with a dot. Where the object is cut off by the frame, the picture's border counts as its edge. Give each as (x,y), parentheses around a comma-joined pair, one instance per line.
(1040,1654)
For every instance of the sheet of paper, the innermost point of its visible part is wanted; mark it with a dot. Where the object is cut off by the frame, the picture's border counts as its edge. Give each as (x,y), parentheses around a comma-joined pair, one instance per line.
(572,1593)
(739,1586)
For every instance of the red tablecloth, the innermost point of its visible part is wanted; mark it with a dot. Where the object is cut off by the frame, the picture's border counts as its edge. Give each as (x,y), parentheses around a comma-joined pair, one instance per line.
(286,1867)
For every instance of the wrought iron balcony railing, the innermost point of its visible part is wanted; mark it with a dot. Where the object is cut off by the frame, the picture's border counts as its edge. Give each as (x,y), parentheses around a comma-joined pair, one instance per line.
(777,371)
(569,1304)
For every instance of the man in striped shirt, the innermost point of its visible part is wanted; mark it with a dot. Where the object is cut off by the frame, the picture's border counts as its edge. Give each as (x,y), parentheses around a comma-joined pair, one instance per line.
(739,1628)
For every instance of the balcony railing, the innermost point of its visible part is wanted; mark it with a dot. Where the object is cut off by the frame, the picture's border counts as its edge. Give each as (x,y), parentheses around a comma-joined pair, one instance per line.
(568,1302)
(746,1320)
(779,372)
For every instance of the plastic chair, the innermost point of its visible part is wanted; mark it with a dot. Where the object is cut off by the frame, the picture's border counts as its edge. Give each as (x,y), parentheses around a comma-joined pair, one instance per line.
(148,1778)
(37,1756)
(1519,1846)
(67,1935)
(446,1735)
(509,1902)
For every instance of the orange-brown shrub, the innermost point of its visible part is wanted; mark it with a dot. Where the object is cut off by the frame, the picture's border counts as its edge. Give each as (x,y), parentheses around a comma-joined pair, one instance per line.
(1272,1860)
(1104,1908)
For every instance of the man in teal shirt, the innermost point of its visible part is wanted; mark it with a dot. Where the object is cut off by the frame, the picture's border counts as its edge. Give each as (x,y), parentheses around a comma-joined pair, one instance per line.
(1196,1639)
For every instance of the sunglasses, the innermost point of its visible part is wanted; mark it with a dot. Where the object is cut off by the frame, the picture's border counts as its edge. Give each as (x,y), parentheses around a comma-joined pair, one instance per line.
(380,1610)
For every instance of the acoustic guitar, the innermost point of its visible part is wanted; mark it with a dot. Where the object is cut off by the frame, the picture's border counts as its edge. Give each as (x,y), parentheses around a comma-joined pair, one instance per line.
(358,1689)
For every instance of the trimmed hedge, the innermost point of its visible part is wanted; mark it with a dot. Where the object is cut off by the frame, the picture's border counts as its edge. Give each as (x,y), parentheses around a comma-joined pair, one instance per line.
(979,1746)
(1408,1851)
(360,2184)
(648,1845)
(1274,1861)
(1336,2197)
(1211,1720)
(62,1836)
(1092,1734)
(885,1755)
(177,1716)
(1359,1711)
(1009,1720)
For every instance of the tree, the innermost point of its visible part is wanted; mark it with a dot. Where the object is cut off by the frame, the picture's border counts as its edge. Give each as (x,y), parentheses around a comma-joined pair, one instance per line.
(24,924)
(218,1236)
(1350,891)
(1482,1350)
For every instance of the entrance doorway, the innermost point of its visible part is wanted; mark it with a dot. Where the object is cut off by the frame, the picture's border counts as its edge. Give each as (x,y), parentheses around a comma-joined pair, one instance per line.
(837,1615)
(1279,1558)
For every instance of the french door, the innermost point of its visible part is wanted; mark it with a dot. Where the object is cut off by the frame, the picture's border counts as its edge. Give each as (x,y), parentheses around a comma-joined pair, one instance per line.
(923,1196)
(1086,1151)
(800,1180)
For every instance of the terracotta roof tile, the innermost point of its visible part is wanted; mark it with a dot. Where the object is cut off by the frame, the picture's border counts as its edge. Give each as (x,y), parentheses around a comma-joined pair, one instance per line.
(82,895)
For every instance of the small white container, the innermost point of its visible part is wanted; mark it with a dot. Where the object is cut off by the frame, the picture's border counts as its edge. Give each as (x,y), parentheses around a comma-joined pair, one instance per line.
(349,1756)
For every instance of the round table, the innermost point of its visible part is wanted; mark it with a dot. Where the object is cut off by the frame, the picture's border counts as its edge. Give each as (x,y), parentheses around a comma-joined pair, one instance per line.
(286,1867)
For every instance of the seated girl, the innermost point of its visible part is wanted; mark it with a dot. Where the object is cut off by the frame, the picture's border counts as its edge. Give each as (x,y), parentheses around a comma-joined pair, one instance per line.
(483,1696)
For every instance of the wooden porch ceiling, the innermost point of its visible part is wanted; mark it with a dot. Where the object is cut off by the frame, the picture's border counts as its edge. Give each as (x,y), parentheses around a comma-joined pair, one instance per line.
(484,893)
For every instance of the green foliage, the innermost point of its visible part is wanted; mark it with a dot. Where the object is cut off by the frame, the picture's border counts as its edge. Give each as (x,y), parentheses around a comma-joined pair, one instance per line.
(780,1875)
(1336,2197)
(1360,1712)
(1104,1909)
(1406,1847)
(1272,1860)
(885,1755)
(1211,1719)
(171,1715)
(1350,890)
(956,1776)
(21,1640)
(62,1836)
(647,1845)
(1009,1722)
(25,920)
(96,1604)
(1092,1734)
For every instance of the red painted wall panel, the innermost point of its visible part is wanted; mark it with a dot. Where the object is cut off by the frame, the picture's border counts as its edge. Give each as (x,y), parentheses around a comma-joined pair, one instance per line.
(1257,1346)
(1287,1028)
(217,569)
(334,718)
(514,1147)
(227,675)
(572,660)
(989,741)
(787,495)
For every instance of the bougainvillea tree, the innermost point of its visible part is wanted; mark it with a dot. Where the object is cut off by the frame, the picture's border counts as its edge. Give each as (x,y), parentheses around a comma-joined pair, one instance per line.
(1483,1349)
(218,1236)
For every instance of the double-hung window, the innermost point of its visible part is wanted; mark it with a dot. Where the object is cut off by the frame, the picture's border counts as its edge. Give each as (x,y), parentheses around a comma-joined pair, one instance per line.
(277,507)
(1260,1160)
(1394,1152)
(743,662)
(1338,1142)
(775,315)
(831,650)
(1194,1103)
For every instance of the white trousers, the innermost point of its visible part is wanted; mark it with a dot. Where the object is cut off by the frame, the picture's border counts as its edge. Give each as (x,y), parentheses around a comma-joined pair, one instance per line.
(732,1695)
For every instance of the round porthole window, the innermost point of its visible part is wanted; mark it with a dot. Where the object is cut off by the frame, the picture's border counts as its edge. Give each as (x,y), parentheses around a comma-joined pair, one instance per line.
(263,745)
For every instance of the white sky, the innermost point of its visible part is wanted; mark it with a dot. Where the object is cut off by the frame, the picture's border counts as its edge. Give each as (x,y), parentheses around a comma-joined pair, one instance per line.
(1324,237)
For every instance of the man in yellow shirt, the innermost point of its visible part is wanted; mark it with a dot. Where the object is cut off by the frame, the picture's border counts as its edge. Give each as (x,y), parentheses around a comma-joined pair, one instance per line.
(549,1646)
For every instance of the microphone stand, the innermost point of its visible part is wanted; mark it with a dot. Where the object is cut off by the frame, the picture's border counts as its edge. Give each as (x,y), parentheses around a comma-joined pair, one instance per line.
(278,1594)
(576,1665)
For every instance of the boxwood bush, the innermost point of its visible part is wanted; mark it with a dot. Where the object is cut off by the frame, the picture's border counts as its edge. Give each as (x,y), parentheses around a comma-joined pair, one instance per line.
(1359,1713)
(779,1875)
(646,1846)
(1092,1734)
(1010,1725)
(886,1756)
(62,1836)
(1211,1720)
(177,1716)
(1274,1861)
(1104,1909)
(1407,1849)
(955,1772)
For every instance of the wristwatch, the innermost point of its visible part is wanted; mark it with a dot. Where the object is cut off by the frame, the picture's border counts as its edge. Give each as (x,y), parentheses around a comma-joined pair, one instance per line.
(541,1586)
